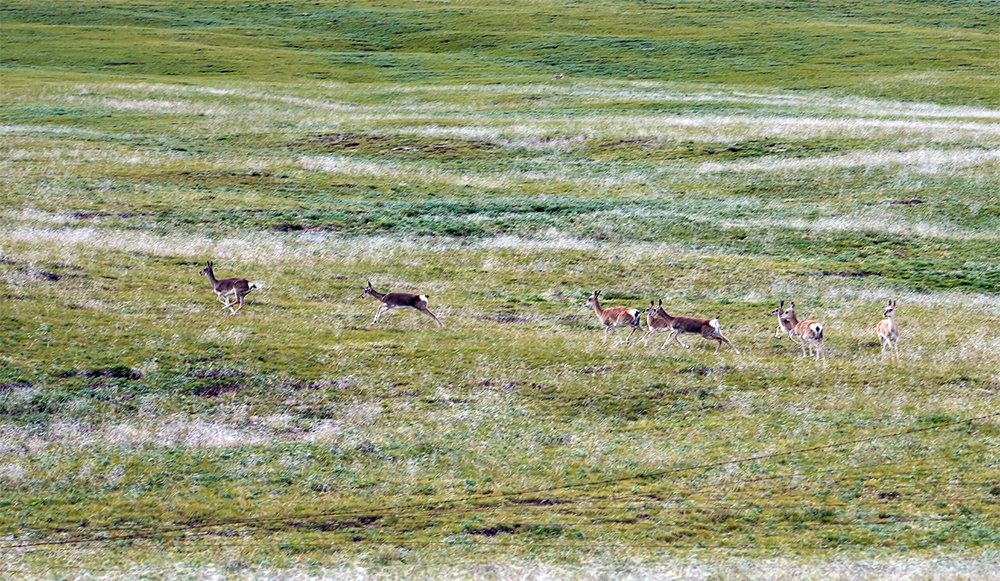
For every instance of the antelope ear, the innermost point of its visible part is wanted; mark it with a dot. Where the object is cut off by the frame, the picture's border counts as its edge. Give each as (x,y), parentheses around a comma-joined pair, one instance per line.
(782,305)
(661,302)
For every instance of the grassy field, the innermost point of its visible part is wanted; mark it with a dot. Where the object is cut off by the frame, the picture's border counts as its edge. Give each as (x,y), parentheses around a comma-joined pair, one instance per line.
(506,159)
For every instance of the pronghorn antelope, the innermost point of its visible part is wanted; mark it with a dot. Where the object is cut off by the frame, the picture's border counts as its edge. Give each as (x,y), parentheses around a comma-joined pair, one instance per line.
(888,330)
(237,287)
(398,301)
(659,321)
(811,332)
(615,317)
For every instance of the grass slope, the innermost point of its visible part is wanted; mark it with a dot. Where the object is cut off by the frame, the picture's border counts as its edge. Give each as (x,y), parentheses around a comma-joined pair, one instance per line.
(719,156)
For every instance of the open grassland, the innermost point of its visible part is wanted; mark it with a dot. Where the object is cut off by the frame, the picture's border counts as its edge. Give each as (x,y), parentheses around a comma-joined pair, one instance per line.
(721,157)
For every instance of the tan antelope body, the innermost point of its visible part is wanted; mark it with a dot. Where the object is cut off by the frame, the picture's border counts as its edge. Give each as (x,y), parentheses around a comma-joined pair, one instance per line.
(660,322)
(238,288)
(399,301)
(810,331)
(615,317)
(783,324)
(888,331)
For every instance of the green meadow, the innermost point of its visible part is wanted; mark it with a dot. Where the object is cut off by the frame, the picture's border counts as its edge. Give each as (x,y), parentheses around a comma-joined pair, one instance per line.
(507,159)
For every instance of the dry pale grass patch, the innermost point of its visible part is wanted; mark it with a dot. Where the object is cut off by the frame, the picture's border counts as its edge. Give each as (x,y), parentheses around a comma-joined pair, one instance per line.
(275,247)
(919,162)
(931,568)
(736,128)
(165,432)
(243,107)
(596,92)
(871,219)
(419,173)
(563,133)
(353,424)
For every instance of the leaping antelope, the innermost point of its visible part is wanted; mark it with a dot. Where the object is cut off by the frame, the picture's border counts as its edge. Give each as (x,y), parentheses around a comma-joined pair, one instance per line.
(659,321)
(810,331)
(398,301)
(238,288)
(615,317)
(888,330)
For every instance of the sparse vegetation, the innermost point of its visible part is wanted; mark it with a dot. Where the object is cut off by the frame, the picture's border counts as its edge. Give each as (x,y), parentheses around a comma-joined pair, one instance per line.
(721,157)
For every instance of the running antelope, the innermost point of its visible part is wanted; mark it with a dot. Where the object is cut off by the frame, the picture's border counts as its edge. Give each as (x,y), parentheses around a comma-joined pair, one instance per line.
(656,324)
(238,288)
(398,301)
(811,332)
(888,330)
(616,317)
(659,322)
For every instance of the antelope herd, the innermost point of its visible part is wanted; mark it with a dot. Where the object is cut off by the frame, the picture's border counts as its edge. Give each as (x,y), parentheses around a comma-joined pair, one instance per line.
(807,334)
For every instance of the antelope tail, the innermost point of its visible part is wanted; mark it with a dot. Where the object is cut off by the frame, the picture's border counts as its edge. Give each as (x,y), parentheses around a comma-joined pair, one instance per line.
(715,323)
(817,330)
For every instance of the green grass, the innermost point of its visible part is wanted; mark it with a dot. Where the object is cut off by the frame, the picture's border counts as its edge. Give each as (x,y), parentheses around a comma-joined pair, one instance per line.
(721,157)
(881,49)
